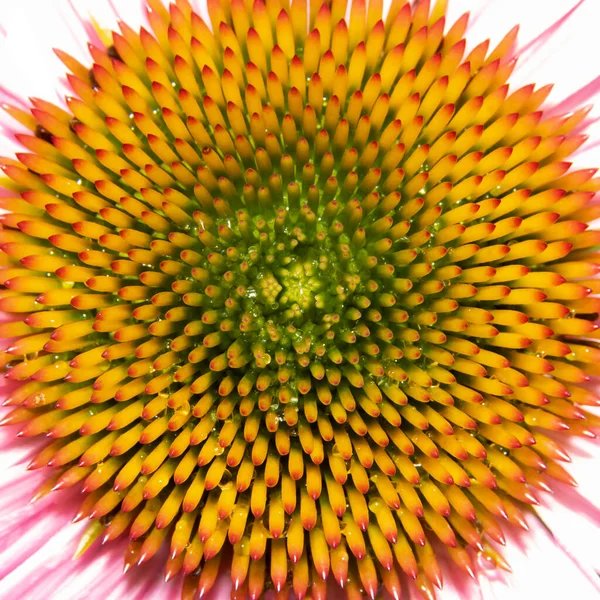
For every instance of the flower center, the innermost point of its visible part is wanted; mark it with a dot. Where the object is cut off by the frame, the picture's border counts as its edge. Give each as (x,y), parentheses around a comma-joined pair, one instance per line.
(300,284)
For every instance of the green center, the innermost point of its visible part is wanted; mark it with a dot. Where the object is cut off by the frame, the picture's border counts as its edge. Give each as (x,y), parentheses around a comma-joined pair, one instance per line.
(297,281)
(301,281)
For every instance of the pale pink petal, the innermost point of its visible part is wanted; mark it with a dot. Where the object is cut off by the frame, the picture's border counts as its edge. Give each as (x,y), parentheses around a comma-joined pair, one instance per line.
(33,28)
(491,19)
(540,569)
(573,514)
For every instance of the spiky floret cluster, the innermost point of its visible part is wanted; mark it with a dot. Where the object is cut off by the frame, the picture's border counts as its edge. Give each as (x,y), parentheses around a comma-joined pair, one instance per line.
(316,291)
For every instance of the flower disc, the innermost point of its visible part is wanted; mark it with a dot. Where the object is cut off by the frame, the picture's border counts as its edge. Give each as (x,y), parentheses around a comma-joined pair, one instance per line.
(308,286)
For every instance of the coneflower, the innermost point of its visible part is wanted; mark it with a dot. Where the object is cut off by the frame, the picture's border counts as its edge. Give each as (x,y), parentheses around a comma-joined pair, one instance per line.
(304,281)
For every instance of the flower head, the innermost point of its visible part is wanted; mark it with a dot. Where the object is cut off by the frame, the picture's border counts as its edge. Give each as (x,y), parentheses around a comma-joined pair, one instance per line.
(305,281)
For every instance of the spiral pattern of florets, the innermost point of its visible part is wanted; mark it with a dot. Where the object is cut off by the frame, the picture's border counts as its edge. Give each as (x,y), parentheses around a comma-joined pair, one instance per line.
(309,286)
